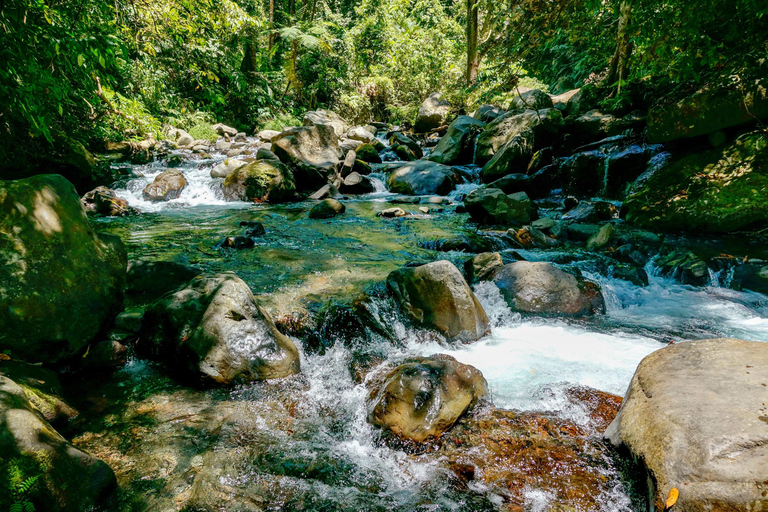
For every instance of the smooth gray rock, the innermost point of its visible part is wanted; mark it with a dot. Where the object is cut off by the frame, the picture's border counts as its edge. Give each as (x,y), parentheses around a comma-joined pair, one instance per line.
(421,178)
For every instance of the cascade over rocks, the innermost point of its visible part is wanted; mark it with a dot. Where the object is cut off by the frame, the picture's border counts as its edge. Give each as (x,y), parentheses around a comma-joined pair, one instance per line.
(312,151)
(423,397)
(263,181)
(213,331)
(720,190)
(61,283)
(543,289)
(695,415)
(70,480)
(421,178)
(436,295)
(167,185)
(457,145)
(432,113)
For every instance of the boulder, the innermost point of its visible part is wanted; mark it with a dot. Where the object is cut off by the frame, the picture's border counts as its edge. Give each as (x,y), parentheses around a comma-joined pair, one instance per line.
(685,266)
(262,181)
(238,242)
(400,139)
(487,113)
(567,102)
(601,238)
(326,118)
(155,278)
(424,397)
(361,133)
(183,138)
(103,201)
(695,416)
(720,190)
(349,144)
(312,151)
(267,135)
(483,266)
(166,186)
(432,113)
(540,288)
(42,388)
(367,153)
(65,478)
(709,111)
(223,130)
(530,99)
(437,296)
(355,183)
(595,125)
(61,283)
(458,144)
(493,206)
(326,209)
(213,331)
(327,190)
(392,212)
(227,167)
(583,173)
(538,126)
(421,178)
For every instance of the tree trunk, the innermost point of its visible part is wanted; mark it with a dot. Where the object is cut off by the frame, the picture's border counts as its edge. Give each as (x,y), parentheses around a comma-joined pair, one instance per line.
(250,59)
(619,66)
(271,24)
(473,61)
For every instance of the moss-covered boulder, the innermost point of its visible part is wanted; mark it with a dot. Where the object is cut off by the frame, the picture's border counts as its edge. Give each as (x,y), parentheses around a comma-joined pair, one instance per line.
(367,153)
(720,190)
(457,145)
(61,283)
(261,181)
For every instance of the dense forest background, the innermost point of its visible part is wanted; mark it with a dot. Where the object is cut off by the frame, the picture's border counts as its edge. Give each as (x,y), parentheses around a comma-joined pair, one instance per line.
(97,70)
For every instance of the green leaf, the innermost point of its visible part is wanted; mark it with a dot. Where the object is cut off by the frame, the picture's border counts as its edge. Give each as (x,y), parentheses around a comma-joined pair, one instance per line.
(80,60)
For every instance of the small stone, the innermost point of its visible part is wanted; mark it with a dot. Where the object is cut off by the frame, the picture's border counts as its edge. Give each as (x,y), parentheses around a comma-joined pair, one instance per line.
(392,212)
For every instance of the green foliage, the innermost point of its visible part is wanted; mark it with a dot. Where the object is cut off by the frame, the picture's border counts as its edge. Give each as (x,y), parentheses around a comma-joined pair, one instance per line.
(23,475)
(203,131)
(281,121)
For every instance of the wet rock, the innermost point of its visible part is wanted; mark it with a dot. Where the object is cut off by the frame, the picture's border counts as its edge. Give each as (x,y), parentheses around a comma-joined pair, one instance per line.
(714,191)
(155,278)
(42,388)
(544,224)
(213,331)
(183,138)
(524,132)
(623,168)
(437,296)
(684,266)
(354,183)
(326,209)
(542,289)
(238,242)
(635,275)
(392,212)
(312,152)
(421,178)
(129,320)
(423,397)
(61,283)
(482,267)
(583,173)
(260,181)
(223,130)
(362,168)
(67,479)
(106,355)
(167,185)
(328,190)
(361,133)
(469,242)
(458,144)
(432,113)
(367,153)
(709,111)
(529,237)
(227,167)
(404,153)
(695,415)
(492,206)
(595,125)
(103,201)
(601,238)
(267,135)
(326,118)
(253,228)
(530,99)
(400,139)
(590,212)
(751,276)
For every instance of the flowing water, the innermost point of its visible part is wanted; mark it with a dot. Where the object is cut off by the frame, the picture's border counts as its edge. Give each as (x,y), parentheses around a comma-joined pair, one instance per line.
(303,443)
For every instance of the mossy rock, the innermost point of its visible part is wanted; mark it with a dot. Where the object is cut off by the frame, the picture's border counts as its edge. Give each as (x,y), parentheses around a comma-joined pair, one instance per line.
(262,181)
(367,153)
(720,190)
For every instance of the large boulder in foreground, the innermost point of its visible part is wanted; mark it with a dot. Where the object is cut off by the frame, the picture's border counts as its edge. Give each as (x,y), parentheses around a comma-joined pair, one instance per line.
(312,151)
(709,111)
(696,416)
(423,397)
(61,283)
(166,186)
(541,288)
(214,331)
(720,190)
(422,177)
(437,296)
(64,478)
(264,181)
(458,144)
(432,113)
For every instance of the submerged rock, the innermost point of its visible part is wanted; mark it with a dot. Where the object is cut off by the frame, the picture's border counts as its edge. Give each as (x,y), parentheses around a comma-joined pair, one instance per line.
(167,185)
(61,283)
(421,178)
(543,289)
(65,478)
(326,209)
(437,296)
(214,331)
(423,397)
(696,416)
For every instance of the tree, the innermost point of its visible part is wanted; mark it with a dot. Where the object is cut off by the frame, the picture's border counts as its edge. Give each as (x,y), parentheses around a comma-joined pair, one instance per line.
(473,61)
(618,69)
